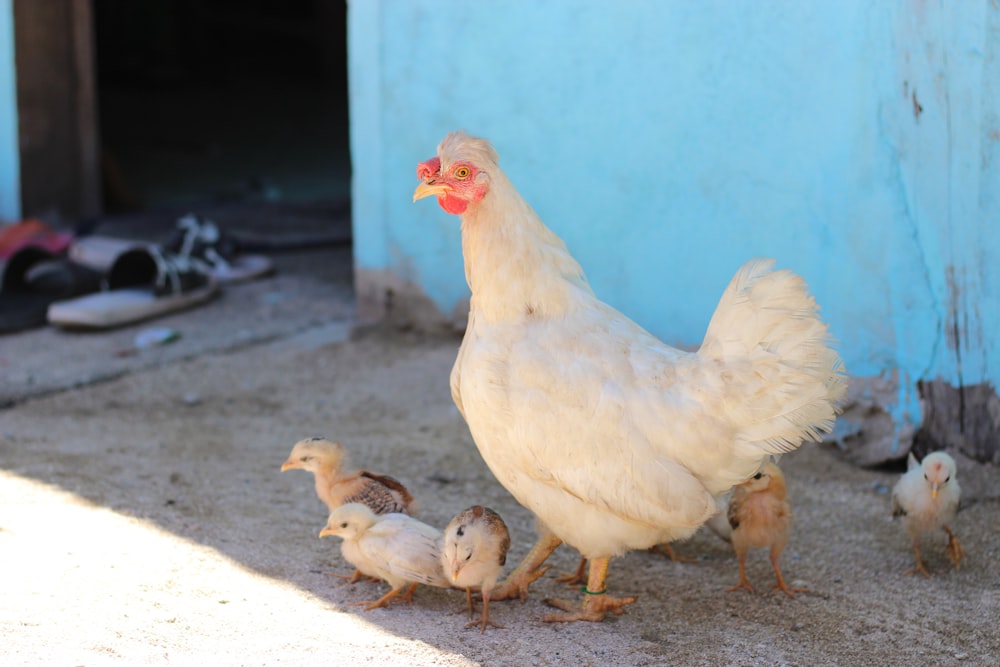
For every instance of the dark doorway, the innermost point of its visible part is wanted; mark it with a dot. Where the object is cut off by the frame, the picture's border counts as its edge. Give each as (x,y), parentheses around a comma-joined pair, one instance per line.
(205,103)
(233,109)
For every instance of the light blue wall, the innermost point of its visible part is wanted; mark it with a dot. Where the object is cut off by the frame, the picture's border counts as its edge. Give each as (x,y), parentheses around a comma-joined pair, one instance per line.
(10,170)
(668,142)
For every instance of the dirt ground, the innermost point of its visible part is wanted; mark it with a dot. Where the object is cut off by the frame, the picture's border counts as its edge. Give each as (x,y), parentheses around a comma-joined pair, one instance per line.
(143,520)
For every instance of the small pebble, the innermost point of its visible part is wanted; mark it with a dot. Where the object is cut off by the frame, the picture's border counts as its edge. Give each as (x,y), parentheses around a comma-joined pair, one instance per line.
(191,398)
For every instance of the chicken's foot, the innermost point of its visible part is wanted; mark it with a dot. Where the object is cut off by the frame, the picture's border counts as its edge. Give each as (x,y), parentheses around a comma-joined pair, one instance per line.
(669,552)
(528,570)
(596,603)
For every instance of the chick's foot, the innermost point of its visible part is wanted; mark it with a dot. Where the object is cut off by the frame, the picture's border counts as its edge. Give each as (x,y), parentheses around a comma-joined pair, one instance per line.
(955,551)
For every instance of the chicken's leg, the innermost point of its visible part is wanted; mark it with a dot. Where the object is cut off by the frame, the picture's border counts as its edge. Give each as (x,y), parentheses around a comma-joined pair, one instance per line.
(920,568)
(528,570)
(574,578)
(596,601)
(955,551)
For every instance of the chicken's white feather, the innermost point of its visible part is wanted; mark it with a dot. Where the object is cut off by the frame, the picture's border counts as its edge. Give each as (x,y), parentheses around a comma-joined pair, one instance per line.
(613,439)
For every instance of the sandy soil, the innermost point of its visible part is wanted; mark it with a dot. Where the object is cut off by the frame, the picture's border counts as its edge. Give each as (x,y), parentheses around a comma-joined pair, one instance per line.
(143,520)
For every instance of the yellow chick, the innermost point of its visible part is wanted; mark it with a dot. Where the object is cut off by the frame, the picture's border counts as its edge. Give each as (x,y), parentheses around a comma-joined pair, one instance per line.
(760,516)
(474,552)
(397,548)
(927,497)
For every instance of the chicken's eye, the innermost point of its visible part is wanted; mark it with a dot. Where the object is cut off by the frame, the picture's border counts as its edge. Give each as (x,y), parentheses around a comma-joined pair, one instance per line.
(947,479)
(462,172)
(468,556)
(343,525)
(925,478)
(758,475)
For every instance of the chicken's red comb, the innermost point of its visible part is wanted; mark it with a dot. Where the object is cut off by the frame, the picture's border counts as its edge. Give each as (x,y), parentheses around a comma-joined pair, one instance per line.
(428,168)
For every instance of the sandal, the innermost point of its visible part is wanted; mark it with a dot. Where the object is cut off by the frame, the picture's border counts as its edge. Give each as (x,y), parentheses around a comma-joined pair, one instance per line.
(202,240)
(143,282)
(33,279)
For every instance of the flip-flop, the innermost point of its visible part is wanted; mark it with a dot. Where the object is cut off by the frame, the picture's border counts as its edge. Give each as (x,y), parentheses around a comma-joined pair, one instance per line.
(32,232)
(143,283)
(34,278)
(202,240)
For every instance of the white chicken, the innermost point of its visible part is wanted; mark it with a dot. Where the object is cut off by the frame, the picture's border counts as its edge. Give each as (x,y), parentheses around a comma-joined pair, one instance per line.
(613,439)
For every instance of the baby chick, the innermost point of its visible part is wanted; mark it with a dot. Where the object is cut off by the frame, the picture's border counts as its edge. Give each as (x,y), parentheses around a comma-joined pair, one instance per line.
(927,496)
(394,547)
(474,553)
(760,516)
(335,486)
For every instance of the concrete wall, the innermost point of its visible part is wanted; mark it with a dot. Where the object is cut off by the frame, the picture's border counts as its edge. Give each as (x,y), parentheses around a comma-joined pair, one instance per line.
(10,174)
(667,142)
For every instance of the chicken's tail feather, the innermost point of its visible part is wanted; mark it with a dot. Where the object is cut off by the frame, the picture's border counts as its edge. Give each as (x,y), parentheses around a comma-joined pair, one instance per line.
(768,324)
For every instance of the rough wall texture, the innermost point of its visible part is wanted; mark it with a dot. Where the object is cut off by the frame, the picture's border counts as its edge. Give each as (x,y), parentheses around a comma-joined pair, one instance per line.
(856,142)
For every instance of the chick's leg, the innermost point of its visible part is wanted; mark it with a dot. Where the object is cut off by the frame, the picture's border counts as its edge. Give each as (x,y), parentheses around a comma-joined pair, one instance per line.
(780,583)
(382,601)
(596,602)
(468,601)
(955,551)
(528,570)
(484,619)
(744,583)
(920,568)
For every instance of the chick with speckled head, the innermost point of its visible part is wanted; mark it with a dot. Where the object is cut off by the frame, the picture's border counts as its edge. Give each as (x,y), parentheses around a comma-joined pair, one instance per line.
(474,553)
(336,485)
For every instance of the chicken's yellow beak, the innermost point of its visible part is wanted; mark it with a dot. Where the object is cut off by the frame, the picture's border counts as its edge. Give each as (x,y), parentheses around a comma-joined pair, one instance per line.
(326,532)
(288,465)
(934,492)
(430,189)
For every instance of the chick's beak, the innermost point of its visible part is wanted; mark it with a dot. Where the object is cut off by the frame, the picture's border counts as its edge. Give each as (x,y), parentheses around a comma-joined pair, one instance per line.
(430,188)
(326,532)
(287,465)
(934,492)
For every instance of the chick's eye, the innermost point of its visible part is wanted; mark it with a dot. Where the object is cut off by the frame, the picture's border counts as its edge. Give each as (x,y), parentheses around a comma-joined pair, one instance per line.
(947,479)
(462,172)
(758,475)
(468,556)
(343,525)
